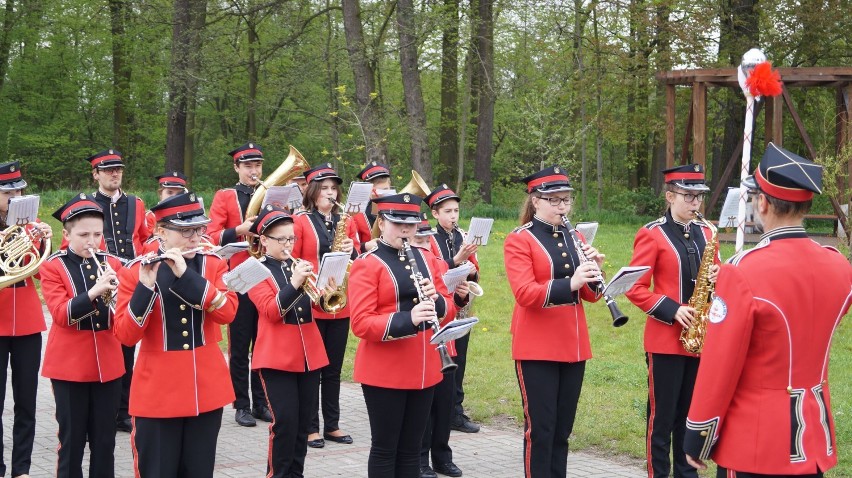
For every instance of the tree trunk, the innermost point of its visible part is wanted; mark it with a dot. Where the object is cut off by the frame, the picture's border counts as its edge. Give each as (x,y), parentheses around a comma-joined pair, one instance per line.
(121,74)
(414,106)
(253,69)
(6,40)
(474,59)
(368,114)
(187,27)
(332,80)
(599,101)
(738,28)
(449,159)
(487,97)
(579,27)
(664,60)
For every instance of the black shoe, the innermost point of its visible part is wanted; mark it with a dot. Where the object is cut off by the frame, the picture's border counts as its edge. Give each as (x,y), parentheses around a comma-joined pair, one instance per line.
(463,424)
(318,443)
(449,469)
(243,418)
(427,472)
(124,425)
(345,439)
(261,412)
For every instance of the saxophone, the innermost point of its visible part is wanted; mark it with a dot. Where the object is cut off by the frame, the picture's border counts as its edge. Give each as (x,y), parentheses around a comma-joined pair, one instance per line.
(334,301)
(692,338)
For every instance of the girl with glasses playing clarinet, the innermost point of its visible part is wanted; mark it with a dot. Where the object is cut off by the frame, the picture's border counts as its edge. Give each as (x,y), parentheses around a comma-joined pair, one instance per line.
(550,338)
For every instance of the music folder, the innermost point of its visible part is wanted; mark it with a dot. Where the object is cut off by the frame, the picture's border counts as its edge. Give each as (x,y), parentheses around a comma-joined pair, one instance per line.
(624,279)
(455,329)
(358,197)
(246,275)
(333,264)
(588,230)
(479,230)
(22,210)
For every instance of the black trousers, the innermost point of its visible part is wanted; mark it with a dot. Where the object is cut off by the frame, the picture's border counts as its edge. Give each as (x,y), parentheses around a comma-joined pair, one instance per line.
(129,354)
(242,333)
(397,422)
(291,397)
(23,352)
(335,333)
(182,447)
(85,411)
(550,392)
(461,360)
(725,473)
(671,379)
(437,435)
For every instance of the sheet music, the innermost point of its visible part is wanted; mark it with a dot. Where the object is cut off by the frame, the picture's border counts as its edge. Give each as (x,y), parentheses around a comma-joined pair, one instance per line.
(479,230)
(728,215)
(455,276)
(22,209)
(624,279)
(385,192)
(358,197)
(588,230)
(455,329)
(287,197)
(246,275)
(333,264)
(228,250)
(201,202)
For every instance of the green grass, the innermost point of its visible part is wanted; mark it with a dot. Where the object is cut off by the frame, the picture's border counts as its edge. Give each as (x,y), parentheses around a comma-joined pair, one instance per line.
(611,415)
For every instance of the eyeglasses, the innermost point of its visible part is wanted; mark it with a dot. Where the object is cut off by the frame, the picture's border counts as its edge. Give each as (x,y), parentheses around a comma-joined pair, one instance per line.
(112,171)
(555,201)
(187,232)
(284,240)
(689,197)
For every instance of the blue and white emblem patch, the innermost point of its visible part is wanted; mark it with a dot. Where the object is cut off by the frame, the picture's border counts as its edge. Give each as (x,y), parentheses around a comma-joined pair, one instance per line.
(718,310)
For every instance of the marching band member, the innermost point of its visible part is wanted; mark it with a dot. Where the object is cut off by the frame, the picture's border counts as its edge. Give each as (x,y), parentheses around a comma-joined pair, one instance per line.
(316,229)
(395,363)
(379,175)
(83,359)
(21,325)
(436,438)
(229,224)
(171,183)
(173,307)
(289,351)
(449,240)
(761,405)
(125,232)
(550,338)
(673,247)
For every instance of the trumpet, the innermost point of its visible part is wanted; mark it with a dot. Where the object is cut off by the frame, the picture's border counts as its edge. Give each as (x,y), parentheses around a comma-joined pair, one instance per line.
(618,317)
(474,290)
(447,364)
(108,297)
(309,287)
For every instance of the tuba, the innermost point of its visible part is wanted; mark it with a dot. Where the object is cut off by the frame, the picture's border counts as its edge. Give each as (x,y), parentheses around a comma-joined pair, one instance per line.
(416,186)
(20,258)
(692,338)
(293,166)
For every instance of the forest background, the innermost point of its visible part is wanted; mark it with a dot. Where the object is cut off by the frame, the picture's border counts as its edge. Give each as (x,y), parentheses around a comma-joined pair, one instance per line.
(473,93)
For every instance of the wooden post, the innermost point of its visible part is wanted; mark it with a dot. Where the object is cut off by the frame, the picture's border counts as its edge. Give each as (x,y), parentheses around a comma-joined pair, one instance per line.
(774,120)
(670,125)
(699,123)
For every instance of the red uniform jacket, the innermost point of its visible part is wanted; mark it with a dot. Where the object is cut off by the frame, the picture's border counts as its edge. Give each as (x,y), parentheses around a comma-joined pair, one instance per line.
(314,241)
(363,228)
(761,402)
(445,247)
(180,371)
(226,213)
(548,322)
(287,337)
(150,223)
(20,308)
(81,346)
(393,353)
(662,245)
(125,229)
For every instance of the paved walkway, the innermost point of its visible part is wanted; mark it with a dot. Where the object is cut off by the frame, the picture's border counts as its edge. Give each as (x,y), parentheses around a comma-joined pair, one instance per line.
(491,453)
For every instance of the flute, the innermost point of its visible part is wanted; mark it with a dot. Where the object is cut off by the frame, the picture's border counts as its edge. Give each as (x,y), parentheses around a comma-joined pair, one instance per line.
(159,258)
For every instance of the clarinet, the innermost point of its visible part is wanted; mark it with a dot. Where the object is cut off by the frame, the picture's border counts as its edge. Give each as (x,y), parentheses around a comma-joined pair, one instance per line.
(447,364)
(598,286)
